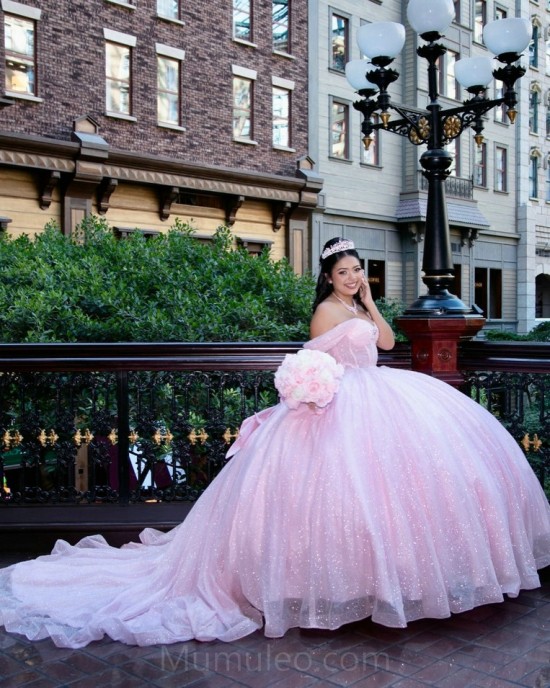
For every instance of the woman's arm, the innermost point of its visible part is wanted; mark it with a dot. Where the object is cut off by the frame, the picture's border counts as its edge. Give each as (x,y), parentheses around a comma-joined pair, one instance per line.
(386,340)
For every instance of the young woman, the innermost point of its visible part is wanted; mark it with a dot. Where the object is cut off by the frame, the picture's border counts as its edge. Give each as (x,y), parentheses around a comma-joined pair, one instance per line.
(402,499)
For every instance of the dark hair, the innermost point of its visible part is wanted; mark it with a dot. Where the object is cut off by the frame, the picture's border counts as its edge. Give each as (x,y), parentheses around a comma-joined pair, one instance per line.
(324,288)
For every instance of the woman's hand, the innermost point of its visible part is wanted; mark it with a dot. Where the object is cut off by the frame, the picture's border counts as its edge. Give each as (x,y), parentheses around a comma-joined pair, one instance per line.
(364,291)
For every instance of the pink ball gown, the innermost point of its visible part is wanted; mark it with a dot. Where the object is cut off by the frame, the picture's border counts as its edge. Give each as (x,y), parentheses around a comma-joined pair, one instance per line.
(403,499)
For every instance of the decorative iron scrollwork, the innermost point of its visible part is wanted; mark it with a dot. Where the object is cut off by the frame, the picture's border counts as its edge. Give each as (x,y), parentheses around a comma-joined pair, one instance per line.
(420,132)
(201,435)
(12,438)
(162,437)
(228,435)
(527,442)
(452,126)
(80,437)
(45,438)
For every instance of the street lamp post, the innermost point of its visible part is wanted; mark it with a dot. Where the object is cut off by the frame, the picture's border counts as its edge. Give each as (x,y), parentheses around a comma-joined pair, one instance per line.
(382,42)
(437,320)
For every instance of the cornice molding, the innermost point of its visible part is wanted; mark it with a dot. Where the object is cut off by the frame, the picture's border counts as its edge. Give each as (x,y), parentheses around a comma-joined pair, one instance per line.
(64,156)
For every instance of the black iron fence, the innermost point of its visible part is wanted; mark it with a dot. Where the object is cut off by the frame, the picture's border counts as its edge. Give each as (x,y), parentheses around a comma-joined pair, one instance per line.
(134,423)
(512,380)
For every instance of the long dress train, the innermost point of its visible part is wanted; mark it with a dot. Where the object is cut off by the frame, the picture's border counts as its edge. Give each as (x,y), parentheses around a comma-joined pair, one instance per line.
(403,499)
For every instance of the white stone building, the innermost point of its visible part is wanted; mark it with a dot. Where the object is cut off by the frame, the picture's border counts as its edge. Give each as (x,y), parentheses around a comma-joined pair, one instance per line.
(497,206)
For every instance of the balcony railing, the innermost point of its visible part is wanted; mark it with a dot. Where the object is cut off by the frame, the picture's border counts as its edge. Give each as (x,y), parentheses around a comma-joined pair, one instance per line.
(455,187)
(88,429)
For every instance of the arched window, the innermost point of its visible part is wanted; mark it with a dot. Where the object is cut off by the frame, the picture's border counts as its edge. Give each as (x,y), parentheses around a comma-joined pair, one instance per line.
(542,298)
(534,99)
(534,160)
(534,44)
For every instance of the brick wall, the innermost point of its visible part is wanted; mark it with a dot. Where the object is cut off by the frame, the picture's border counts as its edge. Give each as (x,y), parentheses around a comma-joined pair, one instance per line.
(71,82)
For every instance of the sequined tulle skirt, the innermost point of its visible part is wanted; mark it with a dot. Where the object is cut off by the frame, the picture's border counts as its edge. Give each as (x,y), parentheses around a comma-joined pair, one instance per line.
(403,499)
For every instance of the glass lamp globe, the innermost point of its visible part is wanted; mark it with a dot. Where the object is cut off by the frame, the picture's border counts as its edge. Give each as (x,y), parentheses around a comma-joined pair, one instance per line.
(474,71)
(511,35)
(356,74)
(381,39)
(430,16)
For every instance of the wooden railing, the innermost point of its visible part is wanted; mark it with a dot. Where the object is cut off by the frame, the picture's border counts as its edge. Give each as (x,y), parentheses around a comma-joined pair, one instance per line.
(71,415)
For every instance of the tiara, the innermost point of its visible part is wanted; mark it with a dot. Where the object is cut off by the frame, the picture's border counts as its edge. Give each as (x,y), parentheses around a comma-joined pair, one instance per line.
(345,245)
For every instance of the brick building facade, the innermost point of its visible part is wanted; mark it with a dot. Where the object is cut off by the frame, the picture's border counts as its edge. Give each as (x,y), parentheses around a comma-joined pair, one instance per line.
(147,110)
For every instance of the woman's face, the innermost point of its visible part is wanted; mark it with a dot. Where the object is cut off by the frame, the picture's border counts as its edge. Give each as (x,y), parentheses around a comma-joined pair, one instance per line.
(346,276)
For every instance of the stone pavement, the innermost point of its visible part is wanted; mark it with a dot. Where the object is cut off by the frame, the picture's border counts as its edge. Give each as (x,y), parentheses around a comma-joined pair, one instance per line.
(495,646)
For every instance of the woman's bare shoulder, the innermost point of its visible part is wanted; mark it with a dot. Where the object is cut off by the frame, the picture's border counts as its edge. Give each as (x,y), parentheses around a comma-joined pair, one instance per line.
(327,315)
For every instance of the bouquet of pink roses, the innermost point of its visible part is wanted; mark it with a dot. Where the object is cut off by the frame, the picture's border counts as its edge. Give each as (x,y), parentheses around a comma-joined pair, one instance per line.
(309,376)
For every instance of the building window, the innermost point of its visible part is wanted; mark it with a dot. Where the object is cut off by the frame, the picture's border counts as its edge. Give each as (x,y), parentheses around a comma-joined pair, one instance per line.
(480,19)
(376,277)
(242,20)
(534,111)
(453,147)
(169,9)
(339,42)
(339,130)
(480,165)
(169,61)
(488,291)
(534,47)
(281,26)
(500,13)
(281,117)
(448,85)
(500,110)
(457,11)
(548,115)
(242,108)
(118,78)
(19,35)
(533,176)
(371,156)
(501,169)
(547,180)
(547,63)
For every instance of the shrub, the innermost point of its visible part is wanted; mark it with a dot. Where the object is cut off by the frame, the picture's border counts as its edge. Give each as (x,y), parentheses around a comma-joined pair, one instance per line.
(94,287)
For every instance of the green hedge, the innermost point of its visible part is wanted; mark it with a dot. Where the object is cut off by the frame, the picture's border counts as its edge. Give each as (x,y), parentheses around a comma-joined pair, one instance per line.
(93,287)
(540,333)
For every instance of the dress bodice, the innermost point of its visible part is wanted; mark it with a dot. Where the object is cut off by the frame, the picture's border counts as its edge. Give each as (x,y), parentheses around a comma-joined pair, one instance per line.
(352,343)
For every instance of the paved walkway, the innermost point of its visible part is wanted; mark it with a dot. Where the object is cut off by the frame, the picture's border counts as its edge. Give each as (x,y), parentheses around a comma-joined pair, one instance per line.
(496,646)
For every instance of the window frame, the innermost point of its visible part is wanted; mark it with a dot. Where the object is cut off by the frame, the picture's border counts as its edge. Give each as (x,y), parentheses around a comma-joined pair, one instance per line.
(250,13)
(533,47)
(501,172)
(534,94)
(374,148)
(167,52)
(533,175)
(167,17)
(346,129)
(480,19)
(334,13)
(500,111)
(249,76)
(445,78)
(32,15)
(480,165)
(286,86)
(275,24)
(487,281)
(129,42)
